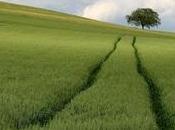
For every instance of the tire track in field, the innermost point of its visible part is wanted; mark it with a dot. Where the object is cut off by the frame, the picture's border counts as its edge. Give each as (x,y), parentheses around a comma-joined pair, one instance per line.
(161,115)
(46,114)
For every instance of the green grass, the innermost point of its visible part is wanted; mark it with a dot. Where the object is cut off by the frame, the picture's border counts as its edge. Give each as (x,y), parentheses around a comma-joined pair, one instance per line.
(31,65)
(158,55)
(63,71)
(34,59)
(118,99)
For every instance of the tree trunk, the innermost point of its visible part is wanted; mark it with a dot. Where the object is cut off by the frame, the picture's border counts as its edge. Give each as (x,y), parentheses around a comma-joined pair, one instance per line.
(143,25)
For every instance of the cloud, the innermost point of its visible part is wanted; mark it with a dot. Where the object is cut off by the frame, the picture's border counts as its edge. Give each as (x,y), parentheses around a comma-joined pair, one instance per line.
(163,6)
(166,9)
(107,10)
(104,10)
(115,10)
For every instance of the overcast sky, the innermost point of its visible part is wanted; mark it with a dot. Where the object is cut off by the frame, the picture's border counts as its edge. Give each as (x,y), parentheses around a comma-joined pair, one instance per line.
(108,10)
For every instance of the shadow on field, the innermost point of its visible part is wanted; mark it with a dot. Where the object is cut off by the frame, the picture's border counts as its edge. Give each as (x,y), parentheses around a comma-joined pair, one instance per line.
(44,115)
(162,119)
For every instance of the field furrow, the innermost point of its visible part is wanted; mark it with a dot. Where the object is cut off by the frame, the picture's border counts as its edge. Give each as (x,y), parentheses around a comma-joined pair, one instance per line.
(154,93)
(64,72)
(40,71)
(117,100)
(158,57)
(47,113)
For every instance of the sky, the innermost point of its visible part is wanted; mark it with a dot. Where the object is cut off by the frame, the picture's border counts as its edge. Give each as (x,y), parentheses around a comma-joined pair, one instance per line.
(113,11)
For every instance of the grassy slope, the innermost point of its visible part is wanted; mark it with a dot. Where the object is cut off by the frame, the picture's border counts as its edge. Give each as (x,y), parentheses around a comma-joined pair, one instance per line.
(67,21)
(35,56)
(158,55)
(118,100)
(41,49)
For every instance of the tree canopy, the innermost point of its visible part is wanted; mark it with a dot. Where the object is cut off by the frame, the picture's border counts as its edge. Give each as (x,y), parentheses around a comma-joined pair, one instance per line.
(144,17)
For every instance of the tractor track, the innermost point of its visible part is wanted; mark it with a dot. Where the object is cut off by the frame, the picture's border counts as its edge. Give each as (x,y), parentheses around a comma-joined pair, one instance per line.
(46,114)
(161,116)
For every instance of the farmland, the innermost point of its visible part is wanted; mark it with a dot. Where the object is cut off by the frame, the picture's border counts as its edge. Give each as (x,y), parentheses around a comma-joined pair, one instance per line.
(158,58)
(115,102)
(59,71)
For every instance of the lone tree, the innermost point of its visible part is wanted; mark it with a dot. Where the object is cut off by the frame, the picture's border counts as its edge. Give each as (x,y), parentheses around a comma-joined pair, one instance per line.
(144,17)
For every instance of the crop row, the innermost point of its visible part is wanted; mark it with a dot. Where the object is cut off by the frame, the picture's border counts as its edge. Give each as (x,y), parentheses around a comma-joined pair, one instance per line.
(119,98)
(38,70)
(158,56)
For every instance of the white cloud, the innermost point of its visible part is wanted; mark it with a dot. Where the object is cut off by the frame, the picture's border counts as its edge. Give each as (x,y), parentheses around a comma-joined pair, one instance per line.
(115,10)
(101,10)
(166,9)
(107,10)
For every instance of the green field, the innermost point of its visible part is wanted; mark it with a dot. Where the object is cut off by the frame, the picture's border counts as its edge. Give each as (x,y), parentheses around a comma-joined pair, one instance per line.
(64,72)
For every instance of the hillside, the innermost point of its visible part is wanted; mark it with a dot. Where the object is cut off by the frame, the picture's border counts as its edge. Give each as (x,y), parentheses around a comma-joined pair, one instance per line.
(59,71)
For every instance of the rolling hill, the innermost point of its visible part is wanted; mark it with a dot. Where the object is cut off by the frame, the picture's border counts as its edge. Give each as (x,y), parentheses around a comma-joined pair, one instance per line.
(60,71)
